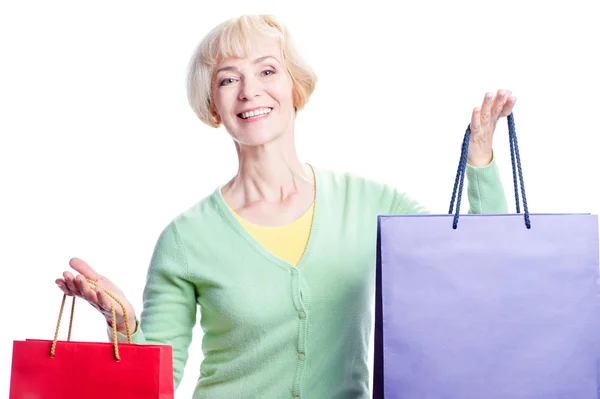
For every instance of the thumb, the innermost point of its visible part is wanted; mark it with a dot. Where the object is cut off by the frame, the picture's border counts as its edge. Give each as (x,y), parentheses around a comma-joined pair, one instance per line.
(83,268)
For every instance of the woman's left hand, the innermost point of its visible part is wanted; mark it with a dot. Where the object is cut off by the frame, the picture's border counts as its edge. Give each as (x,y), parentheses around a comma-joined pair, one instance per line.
(483,125)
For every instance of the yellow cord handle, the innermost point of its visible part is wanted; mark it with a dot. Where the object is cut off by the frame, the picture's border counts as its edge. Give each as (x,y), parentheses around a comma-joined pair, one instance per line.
(114,318)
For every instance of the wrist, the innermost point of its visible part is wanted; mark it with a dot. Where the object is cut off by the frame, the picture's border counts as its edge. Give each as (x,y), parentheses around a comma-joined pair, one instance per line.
(121,326)
(481,160)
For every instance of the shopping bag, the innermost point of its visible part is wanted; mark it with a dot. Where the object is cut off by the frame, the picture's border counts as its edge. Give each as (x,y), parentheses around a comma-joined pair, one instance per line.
(53,369)
(487,306)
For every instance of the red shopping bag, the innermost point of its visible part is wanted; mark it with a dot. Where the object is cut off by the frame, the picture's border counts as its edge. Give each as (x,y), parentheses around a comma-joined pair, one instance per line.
(44,369)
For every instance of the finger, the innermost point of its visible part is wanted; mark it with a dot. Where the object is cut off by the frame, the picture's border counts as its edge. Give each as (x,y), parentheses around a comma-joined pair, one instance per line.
(486,108)
(476,121)
(70,280)
(508,107)
(499,102)
(103,299)
(82,267)
(80,285)
(87,293)
(63,287)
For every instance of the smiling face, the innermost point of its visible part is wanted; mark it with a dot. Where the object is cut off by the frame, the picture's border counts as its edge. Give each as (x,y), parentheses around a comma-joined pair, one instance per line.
(253,96)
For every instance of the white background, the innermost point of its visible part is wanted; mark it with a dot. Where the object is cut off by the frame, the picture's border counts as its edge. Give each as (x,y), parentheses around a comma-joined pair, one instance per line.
(99,149)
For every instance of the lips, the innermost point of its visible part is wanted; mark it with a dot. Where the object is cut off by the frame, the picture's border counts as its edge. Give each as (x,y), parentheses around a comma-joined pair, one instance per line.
(254,113)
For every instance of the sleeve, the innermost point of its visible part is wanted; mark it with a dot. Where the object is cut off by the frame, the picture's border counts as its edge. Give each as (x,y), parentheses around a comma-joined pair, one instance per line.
(169,302)
(485,194)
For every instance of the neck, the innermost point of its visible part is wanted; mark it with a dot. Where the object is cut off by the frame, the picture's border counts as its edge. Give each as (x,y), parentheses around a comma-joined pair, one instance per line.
(269,173)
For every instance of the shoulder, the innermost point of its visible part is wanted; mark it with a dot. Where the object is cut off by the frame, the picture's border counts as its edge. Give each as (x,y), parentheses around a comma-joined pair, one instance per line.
(192,234)
(357,188)
(202,211)
(336,180)
(198,222)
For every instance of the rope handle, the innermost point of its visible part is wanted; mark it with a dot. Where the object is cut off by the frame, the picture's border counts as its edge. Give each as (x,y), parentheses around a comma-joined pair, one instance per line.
(516,169)
(94,284)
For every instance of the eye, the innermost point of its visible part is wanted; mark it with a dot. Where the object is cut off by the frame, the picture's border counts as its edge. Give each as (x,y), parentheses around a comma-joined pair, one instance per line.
(227,81)
(268,72)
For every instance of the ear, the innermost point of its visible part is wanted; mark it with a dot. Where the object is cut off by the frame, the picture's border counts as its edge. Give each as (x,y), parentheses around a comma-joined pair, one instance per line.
(295,98)
(214,113)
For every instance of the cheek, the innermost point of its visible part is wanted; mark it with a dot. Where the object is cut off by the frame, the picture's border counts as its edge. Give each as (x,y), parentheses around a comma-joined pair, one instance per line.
(224,102)
(283,93)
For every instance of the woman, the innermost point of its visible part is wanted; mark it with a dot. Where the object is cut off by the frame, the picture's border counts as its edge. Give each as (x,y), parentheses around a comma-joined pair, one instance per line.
(281,258)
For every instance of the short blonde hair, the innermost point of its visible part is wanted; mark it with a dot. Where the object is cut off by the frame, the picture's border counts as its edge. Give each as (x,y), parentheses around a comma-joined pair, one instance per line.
(232,39)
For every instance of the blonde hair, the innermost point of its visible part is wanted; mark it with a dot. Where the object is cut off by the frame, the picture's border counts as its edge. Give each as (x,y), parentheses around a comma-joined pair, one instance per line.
(232,39)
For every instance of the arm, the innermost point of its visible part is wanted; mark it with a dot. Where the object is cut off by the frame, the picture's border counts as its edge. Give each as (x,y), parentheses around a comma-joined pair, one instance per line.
(169,308)
(485,190)
(485,193)
(484,187)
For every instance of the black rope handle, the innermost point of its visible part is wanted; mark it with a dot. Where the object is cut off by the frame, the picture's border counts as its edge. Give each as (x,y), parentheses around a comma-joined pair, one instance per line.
(516,169)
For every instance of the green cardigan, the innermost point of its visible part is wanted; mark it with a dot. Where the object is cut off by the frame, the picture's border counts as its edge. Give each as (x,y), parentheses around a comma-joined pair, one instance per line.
(272,330)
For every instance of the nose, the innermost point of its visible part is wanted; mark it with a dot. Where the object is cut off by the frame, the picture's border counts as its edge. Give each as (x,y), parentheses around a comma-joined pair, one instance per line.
(250,87)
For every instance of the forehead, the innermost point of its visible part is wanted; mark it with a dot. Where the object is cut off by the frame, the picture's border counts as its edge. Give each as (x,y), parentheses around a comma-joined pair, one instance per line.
(252,51)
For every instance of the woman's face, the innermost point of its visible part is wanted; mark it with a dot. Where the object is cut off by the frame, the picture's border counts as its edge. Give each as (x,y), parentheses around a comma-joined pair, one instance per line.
(253,96)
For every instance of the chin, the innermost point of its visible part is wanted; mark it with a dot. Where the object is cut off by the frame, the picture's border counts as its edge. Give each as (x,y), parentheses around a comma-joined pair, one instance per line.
(254,139)
(259,133)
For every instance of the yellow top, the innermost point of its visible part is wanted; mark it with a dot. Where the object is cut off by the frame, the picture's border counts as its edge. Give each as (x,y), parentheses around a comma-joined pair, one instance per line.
(287,242)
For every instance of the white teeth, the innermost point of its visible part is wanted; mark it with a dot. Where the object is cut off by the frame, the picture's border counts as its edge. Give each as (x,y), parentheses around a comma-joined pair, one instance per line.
(258,112)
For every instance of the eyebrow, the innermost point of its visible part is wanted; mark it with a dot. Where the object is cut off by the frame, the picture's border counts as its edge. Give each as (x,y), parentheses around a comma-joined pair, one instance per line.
(256,61)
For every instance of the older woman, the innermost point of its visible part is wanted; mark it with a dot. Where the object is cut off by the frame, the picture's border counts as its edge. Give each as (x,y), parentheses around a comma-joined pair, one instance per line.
(280,259)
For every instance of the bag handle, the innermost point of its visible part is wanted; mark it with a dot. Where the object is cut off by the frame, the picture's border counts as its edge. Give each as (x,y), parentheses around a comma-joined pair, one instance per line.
(516,169)
(114,323)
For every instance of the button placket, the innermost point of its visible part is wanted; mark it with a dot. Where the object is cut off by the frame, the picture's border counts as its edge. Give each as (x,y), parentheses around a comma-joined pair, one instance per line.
(301,313)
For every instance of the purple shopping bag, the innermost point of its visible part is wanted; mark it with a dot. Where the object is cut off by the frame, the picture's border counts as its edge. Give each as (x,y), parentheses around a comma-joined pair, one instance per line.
(487,306)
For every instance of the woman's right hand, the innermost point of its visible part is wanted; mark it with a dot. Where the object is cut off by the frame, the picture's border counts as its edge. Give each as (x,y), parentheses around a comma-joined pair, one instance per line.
(78,286)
